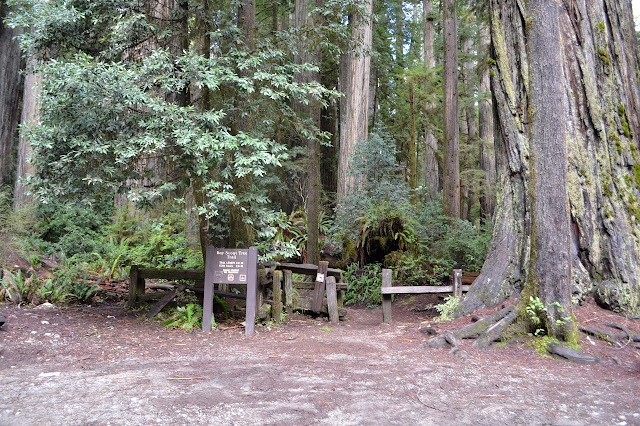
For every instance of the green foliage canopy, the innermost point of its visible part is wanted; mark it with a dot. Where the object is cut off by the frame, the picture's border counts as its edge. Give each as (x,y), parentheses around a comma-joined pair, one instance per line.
(118,95)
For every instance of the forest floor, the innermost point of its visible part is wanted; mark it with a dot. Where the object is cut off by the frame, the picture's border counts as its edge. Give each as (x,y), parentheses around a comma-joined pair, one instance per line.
(103,364)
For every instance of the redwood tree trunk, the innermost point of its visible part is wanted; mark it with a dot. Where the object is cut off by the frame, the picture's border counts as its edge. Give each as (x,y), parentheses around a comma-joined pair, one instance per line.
(550,278)
(485,123)
(430,169)
(451,170)
(599,88)
(355,73)
(29,117)
(10,94)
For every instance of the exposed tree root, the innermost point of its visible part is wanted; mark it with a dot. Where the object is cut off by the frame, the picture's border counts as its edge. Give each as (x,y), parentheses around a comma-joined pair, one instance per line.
(571,354)
(611,336)
(485,331)
(493,328)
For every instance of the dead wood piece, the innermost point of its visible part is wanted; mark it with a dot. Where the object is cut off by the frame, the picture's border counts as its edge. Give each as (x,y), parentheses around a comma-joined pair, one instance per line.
(494,332)
(571,354)
(50,264)
(428,330)
(163,302)
(438,342)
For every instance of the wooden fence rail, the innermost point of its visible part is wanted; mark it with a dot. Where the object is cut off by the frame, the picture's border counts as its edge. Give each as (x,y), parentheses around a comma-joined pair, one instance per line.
(387,290)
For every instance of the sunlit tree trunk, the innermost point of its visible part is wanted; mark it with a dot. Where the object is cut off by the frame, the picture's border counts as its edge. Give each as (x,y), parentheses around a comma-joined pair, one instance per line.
(485,123)
(29,117)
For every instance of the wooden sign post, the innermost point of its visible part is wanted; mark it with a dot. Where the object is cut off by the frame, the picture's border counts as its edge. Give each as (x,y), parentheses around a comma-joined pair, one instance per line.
(231,266)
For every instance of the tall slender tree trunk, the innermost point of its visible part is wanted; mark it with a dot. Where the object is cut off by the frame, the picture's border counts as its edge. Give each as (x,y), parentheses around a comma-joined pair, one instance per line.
(29,117)
(599,99)
(11,88)
(240,232)
(451,175)
(485,123)
(354,105)
(309,53)
(413,148)
(469,185)
(430,169)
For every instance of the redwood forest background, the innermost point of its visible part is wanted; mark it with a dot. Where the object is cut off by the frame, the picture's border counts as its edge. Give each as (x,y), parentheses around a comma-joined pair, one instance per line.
(417,136)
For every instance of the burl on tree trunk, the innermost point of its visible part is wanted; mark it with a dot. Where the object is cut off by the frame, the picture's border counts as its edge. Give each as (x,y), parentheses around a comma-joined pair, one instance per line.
(566,96)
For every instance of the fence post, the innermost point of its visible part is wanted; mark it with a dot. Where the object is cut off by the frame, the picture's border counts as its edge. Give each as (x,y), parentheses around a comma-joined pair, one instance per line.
(288,290)
(133,286)
(332,300)
(457,282)
(386,298)
(321,279)
(276,309)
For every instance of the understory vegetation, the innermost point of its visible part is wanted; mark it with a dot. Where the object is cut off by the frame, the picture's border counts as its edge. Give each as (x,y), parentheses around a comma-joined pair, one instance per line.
(385,225)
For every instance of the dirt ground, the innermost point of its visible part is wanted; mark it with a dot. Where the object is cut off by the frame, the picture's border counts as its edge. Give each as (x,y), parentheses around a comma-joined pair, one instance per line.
(104,365)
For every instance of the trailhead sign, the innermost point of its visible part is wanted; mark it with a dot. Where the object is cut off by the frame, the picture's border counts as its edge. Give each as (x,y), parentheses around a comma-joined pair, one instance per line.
(231,266)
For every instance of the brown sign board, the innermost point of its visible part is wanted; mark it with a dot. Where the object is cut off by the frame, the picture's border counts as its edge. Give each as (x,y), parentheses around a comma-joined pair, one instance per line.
(230,266)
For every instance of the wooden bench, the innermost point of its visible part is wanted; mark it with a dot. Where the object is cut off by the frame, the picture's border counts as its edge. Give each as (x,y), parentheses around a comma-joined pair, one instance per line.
(388,290)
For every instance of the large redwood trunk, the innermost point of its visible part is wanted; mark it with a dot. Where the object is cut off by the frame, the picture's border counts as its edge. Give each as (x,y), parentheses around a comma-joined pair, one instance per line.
(355,71)
(599,82)
(10,94)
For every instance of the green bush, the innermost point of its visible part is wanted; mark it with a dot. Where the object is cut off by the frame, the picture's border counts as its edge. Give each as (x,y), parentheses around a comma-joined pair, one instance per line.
(158,243)
(364,285)
(386,222)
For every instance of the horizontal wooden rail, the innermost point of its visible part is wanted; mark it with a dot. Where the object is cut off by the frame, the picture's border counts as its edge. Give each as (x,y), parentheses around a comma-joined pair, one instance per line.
(307,269)
(421,289)
(387,290)
(171,274)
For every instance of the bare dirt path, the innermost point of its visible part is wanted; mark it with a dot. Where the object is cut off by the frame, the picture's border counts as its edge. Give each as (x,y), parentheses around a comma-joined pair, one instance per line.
(103,365)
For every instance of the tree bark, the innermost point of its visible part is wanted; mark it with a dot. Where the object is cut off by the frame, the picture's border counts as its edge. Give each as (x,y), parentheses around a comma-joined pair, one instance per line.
(354,105)
(451,175)
(431,172)
(10,95)
(308,53)
(550,278)
(485,123)
(29,117)
(601,97)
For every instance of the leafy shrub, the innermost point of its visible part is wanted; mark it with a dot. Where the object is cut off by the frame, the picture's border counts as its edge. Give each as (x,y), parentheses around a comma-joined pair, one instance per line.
(70,229)
(189,316)
(386,222)
(447,309)
(159,242)
(364,285)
